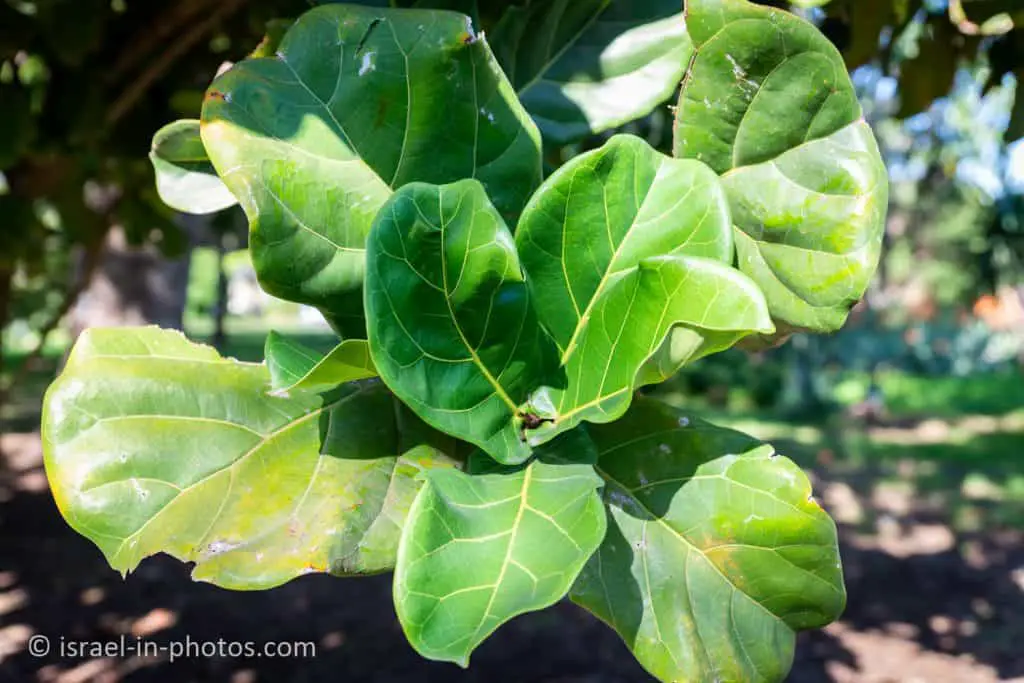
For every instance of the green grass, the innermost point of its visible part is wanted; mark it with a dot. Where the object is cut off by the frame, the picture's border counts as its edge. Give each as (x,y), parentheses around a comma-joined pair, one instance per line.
(906,395)
(953,446)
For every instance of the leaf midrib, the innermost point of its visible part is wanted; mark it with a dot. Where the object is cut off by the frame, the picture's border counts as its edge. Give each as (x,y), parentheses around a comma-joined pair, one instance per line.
(625,490)
(347,139)
(498,389)
(516,523)
(611,271)
(584,319)
(229,468)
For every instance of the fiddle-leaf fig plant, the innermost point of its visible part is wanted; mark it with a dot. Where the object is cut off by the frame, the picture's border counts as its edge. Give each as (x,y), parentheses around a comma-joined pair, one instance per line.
(477,430)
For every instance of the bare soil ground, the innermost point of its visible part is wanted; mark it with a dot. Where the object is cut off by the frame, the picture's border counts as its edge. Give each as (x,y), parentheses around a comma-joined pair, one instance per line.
(928,604)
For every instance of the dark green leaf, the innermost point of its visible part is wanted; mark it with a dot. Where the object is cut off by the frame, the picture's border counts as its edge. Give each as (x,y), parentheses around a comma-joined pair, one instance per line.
(185,178)
(768,104)
(716,553)
(481,549)
(451,327)
(584,67)
(359,101)
(295,367)
(154,444)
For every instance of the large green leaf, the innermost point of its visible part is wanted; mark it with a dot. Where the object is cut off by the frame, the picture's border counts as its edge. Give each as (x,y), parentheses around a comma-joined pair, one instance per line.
(767,103)
(586,66)
(451,327)
(602,213)
(716,553)
(154,444)
(185,178)
(628,254)
(654,319)
(480,549)
(357,102)
(295,367)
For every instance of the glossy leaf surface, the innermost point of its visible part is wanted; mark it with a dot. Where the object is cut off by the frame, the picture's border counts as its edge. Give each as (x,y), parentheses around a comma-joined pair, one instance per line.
(628,255)
(295,367)
(767,103)
(452,330)
(602,213)
(716,554)
(154,444)
(586,66)
(359,101)
(480,549)
(185,178)
(666,312)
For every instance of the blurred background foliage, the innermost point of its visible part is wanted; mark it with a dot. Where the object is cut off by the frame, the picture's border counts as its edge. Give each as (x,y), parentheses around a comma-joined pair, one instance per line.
(914,411)
(84,238)
(83,86)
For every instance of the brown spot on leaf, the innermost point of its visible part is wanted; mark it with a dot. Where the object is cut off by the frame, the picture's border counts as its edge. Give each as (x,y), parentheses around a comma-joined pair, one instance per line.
(531,421)
(382,111)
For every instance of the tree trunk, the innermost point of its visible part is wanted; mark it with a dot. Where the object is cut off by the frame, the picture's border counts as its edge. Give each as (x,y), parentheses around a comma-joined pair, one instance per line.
(133,286)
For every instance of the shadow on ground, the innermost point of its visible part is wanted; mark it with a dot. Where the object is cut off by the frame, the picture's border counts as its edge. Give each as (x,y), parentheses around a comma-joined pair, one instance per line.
(55,583)
(928,602)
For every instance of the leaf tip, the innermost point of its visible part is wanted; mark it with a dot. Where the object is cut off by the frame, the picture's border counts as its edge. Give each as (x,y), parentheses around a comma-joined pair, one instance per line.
(470,36)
